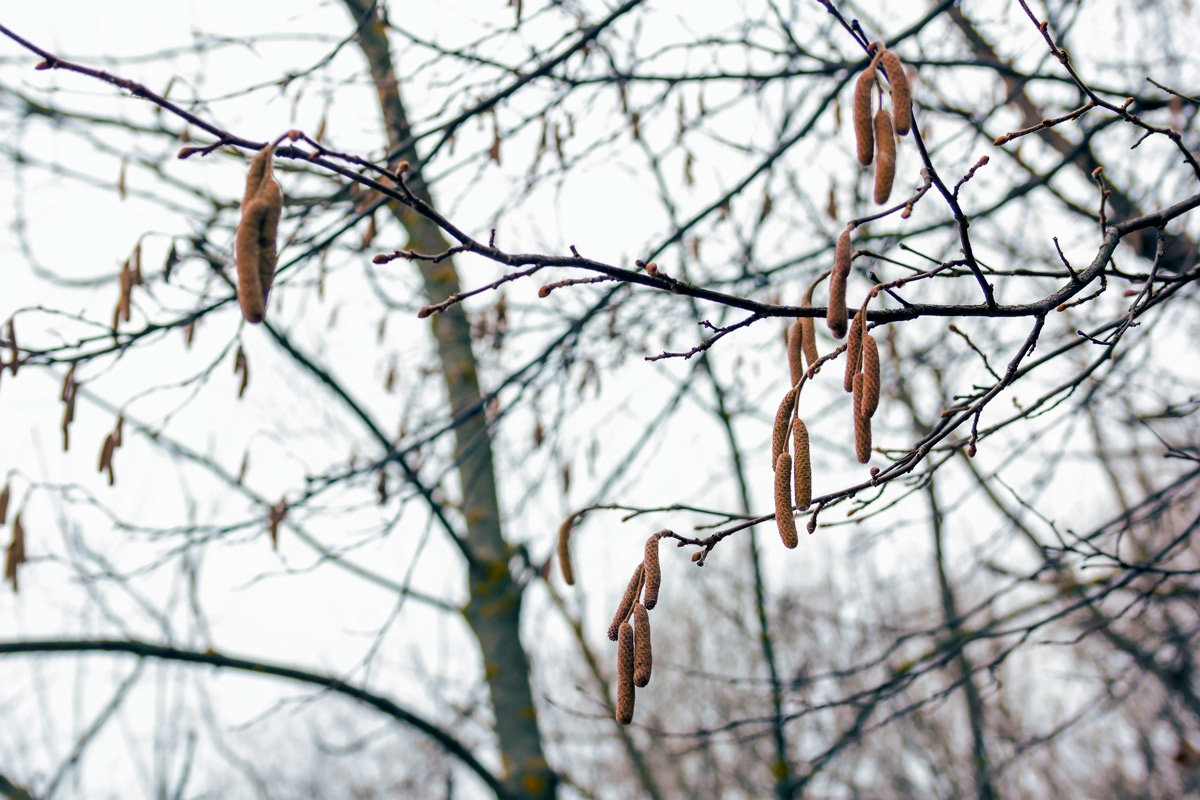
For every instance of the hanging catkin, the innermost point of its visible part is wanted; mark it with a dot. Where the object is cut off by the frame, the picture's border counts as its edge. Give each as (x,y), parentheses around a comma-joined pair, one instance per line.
(625,659)
(870,393)
(783,416)
(862,424)
(564,550)
(854,349)
(642,656)
(254,244)
(901,93)
(652,572)
(809,327)
(5,493)
(783,501)
(795,350)
(864,138)
(627,601)
(885,164)
(835,316)
(802,464)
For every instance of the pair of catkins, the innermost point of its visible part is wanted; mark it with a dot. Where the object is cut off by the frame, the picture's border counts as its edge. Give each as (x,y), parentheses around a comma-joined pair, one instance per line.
(254,247)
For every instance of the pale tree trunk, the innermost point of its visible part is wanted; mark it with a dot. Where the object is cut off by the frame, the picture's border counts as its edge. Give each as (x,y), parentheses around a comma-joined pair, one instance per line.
(494,608)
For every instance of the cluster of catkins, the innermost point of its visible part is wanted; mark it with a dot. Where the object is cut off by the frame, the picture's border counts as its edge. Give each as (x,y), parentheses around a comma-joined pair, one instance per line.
(875,135)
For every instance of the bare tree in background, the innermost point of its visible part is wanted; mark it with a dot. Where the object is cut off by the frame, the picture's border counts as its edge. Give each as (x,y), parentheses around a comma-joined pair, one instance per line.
(319,556)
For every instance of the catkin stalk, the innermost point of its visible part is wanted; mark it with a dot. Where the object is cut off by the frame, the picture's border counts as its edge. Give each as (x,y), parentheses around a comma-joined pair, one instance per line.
(885,164)
(625,664)
(901,92)
(642,656)
(871,385)
(835,315)
(627,601)
(862,424)
(802,464)
(652,572)
(783,501)
(783,416)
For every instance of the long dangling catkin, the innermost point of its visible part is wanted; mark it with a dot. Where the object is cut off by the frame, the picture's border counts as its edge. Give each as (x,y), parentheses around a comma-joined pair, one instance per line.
(795,350)
(14,349)
(254,244)
(809,327)
(106,454)
(863,135)
(627,601)
(625,659)
(642,657)
(885,164)
(870,394)
(862,424)
(854,349)
(835,316)
(652,572)
(783,416)
(15,554)
(564,550)
(5,493)
(901,92)
(802,464)
(783,501)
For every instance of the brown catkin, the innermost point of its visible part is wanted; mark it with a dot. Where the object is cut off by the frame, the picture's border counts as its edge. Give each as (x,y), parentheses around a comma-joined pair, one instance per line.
(564,550)
(652,572)
(835,316)
(14,349)
(802,464)
(5,493)
(901,92)
(795,350)
(254,245)
(106,454)
(885,165)
(809,327)
(642,656)
(783,501)
(625,658)
(862,424)
(854,349)
(627,601)
(864,137)
(870,393)
(783,416)
(15,554)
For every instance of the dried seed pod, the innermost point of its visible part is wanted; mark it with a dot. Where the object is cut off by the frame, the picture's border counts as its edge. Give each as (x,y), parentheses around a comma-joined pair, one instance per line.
(783,501)
(783,416)
(795,350)
(564,550)
(5,493)
(627,601)
(652,572)
(625,659)
(642,657)
(863,135)
(901,92)
(835,316)
(870,393)
(802,464)
(254,244)
(885,165)
(854,349)
(862,424)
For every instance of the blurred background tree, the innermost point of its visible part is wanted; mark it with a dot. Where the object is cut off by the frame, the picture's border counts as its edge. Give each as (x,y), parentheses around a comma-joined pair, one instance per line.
(318,558)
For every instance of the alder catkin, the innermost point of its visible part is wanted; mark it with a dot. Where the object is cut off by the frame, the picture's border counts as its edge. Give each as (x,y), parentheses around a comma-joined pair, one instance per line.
(809,327)
(854,349)
(652,572)
(863,135)
(625,658)
(870,393)
(901,92)
(802,464)
(862,424)
(106,454)
(564,550)
(627,601)
(835,316)
(254,245)
(795,350)
(783,501)
(15,554)
(783,416)
(642,656)
(14,349)
(885,164)
(4,495)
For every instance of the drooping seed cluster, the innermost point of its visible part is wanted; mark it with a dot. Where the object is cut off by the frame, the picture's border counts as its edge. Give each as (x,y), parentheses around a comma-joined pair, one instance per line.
(111,442)
(862,380)
(255,242)
(875,134)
